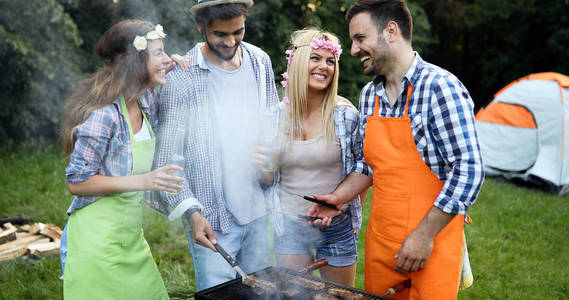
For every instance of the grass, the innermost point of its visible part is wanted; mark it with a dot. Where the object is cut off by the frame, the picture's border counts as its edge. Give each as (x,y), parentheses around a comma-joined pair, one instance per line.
(518,242)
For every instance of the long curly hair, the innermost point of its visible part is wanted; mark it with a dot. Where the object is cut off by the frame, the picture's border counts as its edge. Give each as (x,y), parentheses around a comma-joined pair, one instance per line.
(125,71)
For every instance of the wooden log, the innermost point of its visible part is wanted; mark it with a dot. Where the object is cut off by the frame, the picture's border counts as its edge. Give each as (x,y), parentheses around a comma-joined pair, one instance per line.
(38,239)
(13,253)
(34,228)
(9,226)
(8,235)
(18,243)
(51,230)
(21,235)
(48,248)
(41,241)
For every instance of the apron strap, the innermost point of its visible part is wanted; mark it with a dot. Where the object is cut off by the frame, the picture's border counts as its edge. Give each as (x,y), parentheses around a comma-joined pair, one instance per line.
(378,100)
(376,105)
(127,117)
(409,92)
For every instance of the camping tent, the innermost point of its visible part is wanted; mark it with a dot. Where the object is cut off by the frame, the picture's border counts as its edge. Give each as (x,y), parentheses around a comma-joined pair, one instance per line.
(524,132)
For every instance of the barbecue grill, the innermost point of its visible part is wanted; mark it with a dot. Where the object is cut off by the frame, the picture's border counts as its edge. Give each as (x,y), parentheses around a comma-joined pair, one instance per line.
(290,285)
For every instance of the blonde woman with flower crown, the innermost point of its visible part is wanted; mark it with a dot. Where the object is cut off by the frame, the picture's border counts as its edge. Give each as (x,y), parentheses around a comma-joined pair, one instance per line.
(317,146)
(108,132)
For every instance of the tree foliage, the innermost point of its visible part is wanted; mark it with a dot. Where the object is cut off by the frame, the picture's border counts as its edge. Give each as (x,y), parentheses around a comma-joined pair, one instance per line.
(38,54)
(271,31)
(490,43)
(46,46)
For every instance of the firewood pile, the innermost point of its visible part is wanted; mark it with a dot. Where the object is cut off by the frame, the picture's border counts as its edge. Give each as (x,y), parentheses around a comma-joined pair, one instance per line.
(36,239)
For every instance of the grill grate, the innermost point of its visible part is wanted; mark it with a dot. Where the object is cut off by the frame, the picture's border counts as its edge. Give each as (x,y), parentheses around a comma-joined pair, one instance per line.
(236,290)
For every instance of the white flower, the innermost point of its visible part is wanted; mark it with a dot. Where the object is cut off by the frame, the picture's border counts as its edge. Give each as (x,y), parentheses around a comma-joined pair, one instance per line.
(160,31)
(152,35)
(139,43)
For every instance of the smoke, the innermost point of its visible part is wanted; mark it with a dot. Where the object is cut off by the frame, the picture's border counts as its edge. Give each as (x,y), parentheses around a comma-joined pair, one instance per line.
(173,15)
(240,123)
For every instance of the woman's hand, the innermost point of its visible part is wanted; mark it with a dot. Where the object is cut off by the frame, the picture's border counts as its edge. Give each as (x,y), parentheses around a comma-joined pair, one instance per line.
(182,61)
(160,179)
(324,213)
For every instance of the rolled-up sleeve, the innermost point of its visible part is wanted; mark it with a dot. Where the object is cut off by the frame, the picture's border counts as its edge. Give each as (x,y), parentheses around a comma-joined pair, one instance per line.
(454,131)
(92,140)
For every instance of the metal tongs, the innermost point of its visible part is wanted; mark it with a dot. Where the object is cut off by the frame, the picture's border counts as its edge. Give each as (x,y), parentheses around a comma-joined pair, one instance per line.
(323,203)
(231,261)
(260,286)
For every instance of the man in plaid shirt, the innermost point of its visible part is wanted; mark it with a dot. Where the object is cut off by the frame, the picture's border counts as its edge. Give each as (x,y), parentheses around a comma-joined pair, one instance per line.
(421,153)
(216,103)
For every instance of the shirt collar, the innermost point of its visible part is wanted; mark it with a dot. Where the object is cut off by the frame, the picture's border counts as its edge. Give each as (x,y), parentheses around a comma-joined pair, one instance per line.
(413,73)
(200,59)
(144,101)
(410,75)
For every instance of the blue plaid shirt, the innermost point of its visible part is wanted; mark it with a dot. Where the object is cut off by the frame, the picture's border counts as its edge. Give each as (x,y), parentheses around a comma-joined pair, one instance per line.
(346,123)
(443,126)
(102,145)
(184,101)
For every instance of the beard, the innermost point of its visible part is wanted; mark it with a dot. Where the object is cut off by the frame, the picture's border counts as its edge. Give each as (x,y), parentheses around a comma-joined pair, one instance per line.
(217,50)
(382,60)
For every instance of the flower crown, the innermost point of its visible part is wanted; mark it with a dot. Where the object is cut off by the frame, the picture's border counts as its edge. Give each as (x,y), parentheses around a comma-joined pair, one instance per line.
(315,44)
(141,42)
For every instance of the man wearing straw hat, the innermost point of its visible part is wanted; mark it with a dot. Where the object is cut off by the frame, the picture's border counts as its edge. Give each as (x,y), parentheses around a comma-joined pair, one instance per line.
(217,102)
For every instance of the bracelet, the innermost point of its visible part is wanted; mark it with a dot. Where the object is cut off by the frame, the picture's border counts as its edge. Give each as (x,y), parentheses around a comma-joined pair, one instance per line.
(193,209)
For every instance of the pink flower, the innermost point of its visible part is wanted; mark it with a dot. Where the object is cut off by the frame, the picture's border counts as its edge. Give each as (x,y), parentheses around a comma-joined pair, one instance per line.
(284,83)
(285,100)
(289,55)
(329,45)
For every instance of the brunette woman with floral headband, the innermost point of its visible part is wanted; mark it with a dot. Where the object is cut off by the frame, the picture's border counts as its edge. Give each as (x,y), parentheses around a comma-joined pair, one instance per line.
(316,148)
(108,133)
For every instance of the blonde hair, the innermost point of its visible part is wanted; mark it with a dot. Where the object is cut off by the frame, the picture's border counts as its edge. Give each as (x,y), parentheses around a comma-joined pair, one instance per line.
(298,84)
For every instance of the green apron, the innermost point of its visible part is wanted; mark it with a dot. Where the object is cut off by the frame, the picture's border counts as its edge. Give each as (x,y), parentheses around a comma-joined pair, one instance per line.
(108,257)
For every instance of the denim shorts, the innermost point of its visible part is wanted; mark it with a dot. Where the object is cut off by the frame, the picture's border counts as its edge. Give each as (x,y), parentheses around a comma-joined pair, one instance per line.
(337,242)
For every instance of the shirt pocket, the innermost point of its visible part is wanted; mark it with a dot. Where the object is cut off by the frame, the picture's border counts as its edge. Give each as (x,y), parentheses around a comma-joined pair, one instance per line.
(117,145)
(389,215)
(131,226)
(418,132)
(116,161)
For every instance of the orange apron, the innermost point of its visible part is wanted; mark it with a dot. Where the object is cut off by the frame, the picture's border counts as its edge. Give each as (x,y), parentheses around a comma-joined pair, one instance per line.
(404,190)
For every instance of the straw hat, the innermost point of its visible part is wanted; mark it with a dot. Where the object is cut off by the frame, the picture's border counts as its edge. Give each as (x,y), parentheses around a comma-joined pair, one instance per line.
(206,3)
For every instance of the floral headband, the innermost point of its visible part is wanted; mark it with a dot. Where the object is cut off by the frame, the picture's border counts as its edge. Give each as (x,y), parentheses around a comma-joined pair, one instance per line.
(141,42)
(315,44)
(318,44)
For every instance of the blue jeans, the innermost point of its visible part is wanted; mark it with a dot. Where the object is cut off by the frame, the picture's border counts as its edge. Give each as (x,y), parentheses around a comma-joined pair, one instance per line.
(248,244)
(63,251)
(337,242)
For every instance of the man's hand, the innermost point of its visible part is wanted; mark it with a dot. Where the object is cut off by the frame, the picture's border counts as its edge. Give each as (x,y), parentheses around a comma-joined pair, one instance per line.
(414,252)
(202,231)
(418,245)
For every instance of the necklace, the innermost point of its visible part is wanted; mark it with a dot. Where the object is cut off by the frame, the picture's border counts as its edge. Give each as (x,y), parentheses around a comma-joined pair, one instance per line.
(240,56)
